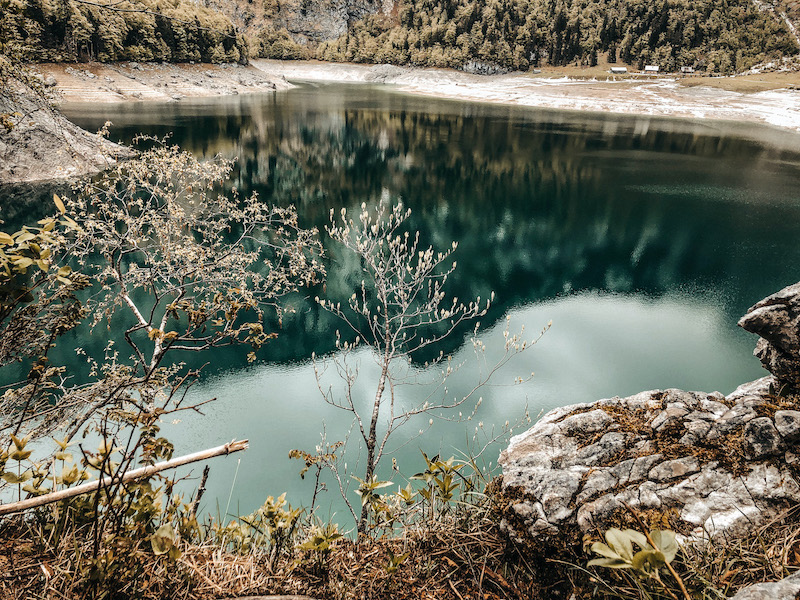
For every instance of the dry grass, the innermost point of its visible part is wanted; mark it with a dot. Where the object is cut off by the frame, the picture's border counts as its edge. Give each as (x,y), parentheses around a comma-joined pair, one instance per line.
(462,556)
(741,83)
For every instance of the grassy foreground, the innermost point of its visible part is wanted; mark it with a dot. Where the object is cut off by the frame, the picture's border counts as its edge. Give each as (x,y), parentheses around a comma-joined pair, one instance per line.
(457,553)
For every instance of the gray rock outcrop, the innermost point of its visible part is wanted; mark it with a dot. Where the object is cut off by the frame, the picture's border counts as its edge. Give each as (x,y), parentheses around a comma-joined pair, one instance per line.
(777,320)
(706,463)
(43,145)
(785,589)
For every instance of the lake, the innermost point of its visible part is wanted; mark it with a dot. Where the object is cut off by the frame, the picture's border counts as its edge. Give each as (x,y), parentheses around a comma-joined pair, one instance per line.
(643,240)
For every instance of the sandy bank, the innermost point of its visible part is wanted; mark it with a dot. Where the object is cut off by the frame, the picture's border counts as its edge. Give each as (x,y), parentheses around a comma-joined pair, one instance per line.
(162,82)
(661,97)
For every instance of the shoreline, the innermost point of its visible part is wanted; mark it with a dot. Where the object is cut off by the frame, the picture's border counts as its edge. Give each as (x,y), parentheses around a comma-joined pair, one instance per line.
(661,97)
(658,97)
(155,82)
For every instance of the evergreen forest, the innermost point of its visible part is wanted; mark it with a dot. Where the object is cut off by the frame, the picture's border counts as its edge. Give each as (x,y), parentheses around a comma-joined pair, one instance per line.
(715,36)
(138,30)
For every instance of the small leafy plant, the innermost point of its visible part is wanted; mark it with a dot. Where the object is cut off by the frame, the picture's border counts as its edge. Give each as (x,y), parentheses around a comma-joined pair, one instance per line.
(657,550)
(318,544)
(618,552)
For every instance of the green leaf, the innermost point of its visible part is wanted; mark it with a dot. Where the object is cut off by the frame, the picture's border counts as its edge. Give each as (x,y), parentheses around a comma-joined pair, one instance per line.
(20,455)
(603,550)
(638,538)
(620,543)
(642,558)
(163,539)
(59,204)
(666,542)
(15,479)
(611,563)
(20,443)
(23,263)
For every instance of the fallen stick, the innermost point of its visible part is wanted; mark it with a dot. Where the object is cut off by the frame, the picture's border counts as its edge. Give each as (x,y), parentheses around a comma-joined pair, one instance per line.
(91,486)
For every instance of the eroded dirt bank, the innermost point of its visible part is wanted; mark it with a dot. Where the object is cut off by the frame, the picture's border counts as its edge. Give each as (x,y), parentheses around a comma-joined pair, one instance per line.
(163,82)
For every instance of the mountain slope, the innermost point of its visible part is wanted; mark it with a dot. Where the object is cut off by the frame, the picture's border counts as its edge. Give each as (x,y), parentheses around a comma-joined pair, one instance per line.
(717,36)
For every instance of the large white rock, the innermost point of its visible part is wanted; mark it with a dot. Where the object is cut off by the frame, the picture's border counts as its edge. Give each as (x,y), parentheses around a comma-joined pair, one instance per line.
(719,463)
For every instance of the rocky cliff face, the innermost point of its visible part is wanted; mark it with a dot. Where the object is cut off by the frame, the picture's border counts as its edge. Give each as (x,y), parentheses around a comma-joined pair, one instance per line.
(43,145)
(776,319)
(707,463)
(320,21)
(307,21)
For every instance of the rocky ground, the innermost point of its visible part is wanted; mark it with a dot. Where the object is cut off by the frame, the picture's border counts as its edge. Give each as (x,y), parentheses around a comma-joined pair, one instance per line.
(701,464)
(657,96)
(42,145)
(161,82)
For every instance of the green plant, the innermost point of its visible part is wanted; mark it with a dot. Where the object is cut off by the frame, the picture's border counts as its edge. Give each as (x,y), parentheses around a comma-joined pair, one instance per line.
(374,504)
(657,550)
(318,544)
(270,528)
(325,457)
(395,561)
(441,484)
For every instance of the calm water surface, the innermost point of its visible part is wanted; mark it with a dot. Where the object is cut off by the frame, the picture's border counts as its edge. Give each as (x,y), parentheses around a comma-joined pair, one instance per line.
(642,240)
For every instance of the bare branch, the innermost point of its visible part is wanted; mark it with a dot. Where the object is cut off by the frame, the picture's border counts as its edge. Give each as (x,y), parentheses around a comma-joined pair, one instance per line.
(148,471)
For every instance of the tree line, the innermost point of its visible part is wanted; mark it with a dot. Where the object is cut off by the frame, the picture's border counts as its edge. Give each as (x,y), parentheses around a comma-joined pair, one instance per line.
(518,34)
(480,35)
(489,35)
(139,30)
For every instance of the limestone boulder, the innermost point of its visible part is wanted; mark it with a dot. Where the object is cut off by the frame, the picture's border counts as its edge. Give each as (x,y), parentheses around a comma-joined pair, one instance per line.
(776,319)
(714,463)
(785,589)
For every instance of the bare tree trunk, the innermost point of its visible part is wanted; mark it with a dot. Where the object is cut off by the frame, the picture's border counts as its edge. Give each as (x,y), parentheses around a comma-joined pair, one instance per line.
(372,438)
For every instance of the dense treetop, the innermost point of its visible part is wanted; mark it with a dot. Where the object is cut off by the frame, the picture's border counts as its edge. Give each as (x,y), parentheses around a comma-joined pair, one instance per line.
(718,36)
(146,30)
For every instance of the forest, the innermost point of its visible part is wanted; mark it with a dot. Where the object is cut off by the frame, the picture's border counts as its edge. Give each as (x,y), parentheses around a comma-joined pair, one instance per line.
(490,35)
(138,30)
(484,36)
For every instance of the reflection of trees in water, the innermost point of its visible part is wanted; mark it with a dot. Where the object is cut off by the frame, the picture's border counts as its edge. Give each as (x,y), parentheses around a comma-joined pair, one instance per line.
(25,203)
(541,205)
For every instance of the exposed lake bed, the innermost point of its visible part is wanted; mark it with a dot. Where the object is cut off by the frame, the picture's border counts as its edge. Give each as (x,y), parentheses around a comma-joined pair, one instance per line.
(775,102)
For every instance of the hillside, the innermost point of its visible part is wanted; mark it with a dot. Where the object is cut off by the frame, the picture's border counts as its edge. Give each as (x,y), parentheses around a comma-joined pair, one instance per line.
(138,30)
(720,37)
(504,35)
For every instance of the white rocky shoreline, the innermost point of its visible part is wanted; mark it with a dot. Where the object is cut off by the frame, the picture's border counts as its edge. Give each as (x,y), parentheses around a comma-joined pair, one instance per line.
(26,154)
(662,97)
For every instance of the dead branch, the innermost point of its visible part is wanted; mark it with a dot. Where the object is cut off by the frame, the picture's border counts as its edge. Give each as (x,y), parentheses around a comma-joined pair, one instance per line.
(85,488)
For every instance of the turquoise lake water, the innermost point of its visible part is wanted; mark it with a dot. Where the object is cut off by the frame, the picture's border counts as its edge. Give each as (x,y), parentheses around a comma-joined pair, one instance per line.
(643,240)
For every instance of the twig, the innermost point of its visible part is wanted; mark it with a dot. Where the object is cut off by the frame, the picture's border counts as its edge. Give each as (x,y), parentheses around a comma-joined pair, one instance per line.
(200,491)
(455,591)
(92,486)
